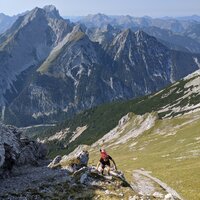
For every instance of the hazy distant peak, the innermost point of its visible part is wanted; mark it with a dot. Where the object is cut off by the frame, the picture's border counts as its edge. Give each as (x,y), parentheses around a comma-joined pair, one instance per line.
(52,11)
(108,27)
(48,11)
(98,19)
(99,15)
(3,15)
(76,34)
(49,8)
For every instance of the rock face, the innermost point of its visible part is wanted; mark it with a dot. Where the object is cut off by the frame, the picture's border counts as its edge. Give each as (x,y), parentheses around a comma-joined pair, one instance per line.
(16,151)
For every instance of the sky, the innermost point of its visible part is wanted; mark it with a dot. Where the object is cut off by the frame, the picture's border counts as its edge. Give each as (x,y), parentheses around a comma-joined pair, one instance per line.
(153,8)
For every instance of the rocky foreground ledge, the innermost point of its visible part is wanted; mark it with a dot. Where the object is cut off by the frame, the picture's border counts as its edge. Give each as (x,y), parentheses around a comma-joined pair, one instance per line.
(71,180)
(26,174)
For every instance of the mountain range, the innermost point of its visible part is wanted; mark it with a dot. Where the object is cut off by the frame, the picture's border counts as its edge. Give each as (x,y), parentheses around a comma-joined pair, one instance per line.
(52,68)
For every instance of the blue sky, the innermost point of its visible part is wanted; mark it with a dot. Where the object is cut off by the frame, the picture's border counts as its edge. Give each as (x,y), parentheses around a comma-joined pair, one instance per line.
(154,8)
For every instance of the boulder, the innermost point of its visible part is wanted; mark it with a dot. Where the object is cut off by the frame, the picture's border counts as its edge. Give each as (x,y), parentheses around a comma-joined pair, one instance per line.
(72,162)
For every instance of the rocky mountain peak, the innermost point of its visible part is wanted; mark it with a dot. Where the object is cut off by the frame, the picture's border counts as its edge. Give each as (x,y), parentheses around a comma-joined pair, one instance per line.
(108,28)
(127,32)
(2,15)
(123,37)
(96,20)
(29,41)
(50,8)
(33,14)
(52,11)
(78,28)
(77,34)
(48,12)
(100,16)
(141,34)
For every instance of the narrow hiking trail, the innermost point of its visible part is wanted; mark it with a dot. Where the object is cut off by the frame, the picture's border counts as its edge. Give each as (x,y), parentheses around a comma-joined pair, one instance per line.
(147,185)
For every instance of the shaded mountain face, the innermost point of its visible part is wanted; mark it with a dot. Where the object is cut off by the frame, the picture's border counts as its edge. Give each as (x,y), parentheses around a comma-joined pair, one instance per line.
(73,78)
(25,45)
(174,41)
(146,61)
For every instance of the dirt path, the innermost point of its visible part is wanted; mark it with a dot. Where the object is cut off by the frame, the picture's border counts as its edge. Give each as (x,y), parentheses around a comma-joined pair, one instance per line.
(146,184)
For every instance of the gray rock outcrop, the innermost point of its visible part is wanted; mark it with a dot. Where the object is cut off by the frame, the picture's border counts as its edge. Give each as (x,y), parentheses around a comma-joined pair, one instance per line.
(17,151)
(72,162)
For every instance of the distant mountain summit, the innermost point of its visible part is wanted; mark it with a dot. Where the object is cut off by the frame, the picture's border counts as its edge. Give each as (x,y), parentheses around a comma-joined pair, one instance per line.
(52,11)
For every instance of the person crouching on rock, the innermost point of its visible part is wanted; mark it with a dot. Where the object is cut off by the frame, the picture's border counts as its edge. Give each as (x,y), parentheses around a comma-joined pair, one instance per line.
(104,162)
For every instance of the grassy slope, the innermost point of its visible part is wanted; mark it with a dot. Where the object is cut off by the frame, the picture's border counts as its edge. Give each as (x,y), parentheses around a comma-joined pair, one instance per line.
(160,154)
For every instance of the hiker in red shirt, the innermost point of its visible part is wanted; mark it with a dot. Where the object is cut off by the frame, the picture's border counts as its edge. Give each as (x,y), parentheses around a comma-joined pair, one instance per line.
(105,162)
